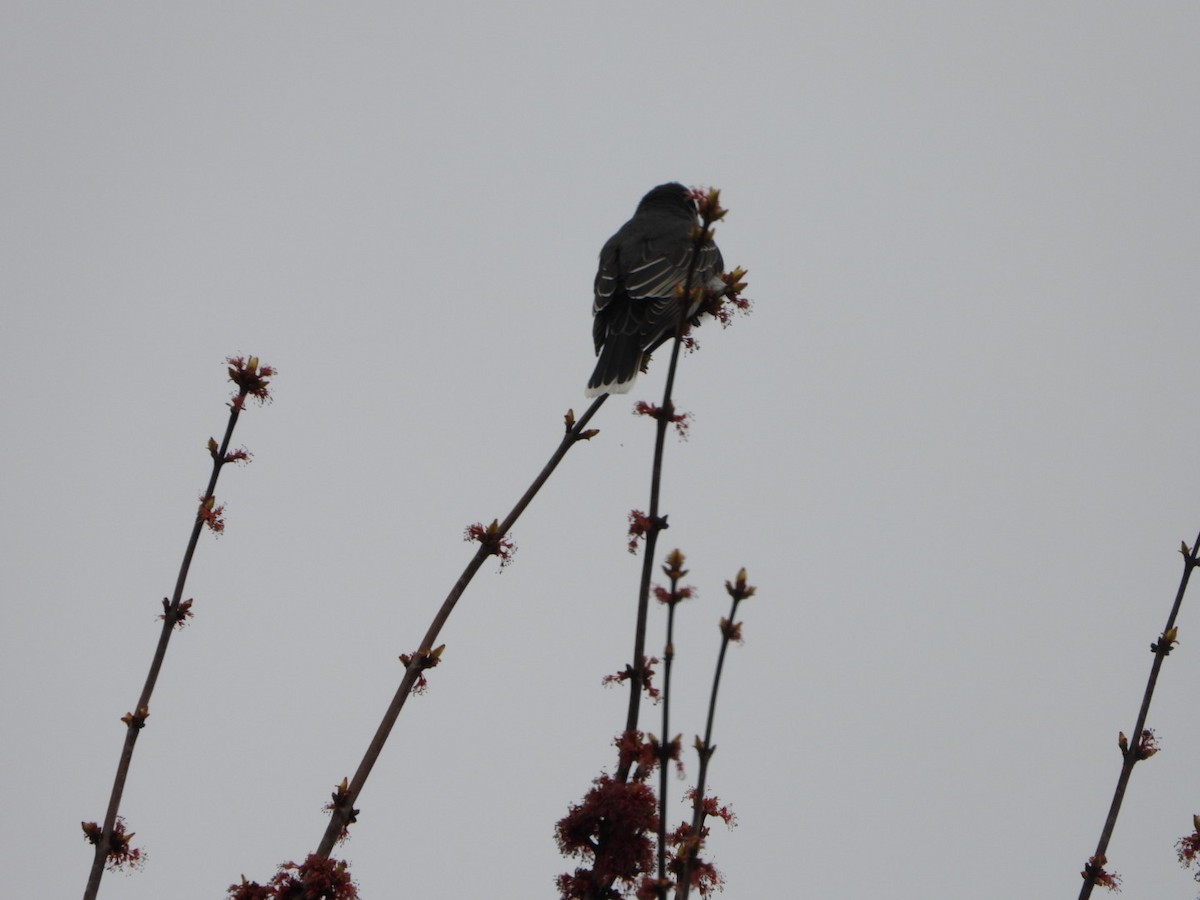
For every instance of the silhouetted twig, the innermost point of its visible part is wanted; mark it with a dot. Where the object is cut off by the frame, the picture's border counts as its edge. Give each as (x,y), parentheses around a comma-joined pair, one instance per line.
(701,299)
(668,749)
(493,541)
(110,839)
(1143,744)
(614,823)
(703,805)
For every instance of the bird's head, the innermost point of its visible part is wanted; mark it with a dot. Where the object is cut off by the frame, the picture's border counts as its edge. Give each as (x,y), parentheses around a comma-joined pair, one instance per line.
(672,196)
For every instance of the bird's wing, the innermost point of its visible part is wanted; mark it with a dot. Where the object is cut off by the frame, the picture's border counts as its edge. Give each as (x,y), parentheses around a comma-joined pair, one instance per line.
(645,264)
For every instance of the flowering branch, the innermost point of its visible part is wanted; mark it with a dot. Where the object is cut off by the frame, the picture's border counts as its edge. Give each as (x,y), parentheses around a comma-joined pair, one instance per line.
(704,300)
(693,869)
(614,823)
(493,541)
(110,840)
(668,748)
(1143,745)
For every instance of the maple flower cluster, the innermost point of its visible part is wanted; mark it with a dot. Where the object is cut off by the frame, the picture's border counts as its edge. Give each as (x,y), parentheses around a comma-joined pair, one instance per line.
(122,856)
(1100,876)
(252,380)
(681,421)
(490,537)
(316,877)
(615,825)
(1188,847)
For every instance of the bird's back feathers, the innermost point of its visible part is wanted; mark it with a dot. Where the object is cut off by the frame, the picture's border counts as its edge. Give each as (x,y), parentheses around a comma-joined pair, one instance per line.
(635,304)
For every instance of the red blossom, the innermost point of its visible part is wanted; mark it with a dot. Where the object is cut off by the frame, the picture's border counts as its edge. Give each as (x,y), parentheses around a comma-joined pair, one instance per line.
(121,855)
(317,878)
(669,597)
(681,421)
(723,303)
(249,890)
(489,537)
(731,630)
(1188,846)
(1148,745)
(712,806)
(1094,869)
(647,677)
(703,876)
(640,525)
(668,752)
(340,800)
(708,204)
(653,888)
(237,456)
(212,515)
(636,751)
(611,828)
(181,615)
(251,380)
(683,839)
(426,659)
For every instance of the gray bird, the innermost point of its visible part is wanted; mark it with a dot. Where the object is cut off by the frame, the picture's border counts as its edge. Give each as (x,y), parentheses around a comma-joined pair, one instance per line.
(635,308)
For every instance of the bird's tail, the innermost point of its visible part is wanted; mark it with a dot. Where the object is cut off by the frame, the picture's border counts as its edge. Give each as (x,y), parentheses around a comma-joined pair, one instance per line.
(617,368)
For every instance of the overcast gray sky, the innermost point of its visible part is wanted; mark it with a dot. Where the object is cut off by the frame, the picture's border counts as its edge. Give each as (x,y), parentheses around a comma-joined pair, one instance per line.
(955,444)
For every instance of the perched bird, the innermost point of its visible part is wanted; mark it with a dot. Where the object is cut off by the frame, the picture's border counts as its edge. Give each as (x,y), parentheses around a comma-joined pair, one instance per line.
(635,307)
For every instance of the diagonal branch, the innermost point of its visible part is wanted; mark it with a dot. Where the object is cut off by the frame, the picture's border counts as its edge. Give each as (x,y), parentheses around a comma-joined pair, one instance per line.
(1137,747)
(342,807)
(251,381)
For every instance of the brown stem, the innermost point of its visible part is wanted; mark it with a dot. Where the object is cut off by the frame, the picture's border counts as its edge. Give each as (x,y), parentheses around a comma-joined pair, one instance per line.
(1131,754)
(137,719)
(343,806)
(657,524)
(705,752)
(665,744)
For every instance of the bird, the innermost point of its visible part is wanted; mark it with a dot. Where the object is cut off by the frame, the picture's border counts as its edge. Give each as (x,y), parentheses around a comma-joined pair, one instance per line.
(635,307)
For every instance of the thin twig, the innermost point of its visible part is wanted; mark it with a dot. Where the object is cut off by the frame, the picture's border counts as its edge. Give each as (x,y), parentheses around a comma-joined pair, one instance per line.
(342,808)
(656,523)
(1133,748)
(134,721)
(665,744)
(705,751)
(606,841)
